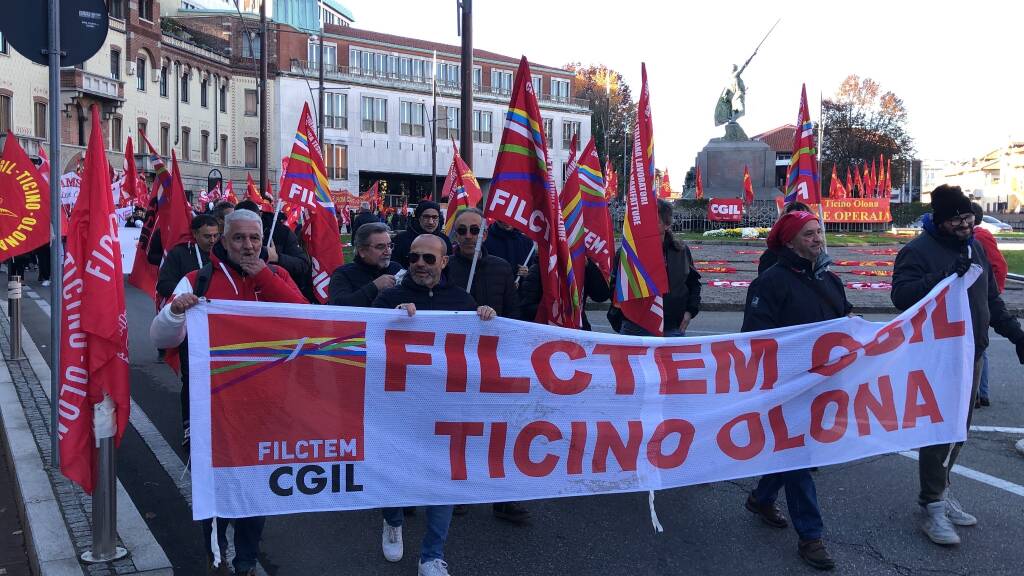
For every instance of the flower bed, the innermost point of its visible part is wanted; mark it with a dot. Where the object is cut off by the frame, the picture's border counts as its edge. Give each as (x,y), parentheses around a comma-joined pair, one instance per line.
(744,233)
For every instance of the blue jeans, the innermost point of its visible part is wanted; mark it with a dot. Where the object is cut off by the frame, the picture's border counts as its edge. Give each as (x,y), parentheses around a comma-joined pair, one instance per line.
(248,532)
(983,387)
(801,498)
(438,520)
(630,328)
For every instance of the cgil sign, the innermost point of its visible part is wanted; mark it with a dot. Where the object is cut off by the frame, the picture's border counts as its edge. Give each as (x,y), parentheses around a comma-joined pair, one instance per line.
(725,210)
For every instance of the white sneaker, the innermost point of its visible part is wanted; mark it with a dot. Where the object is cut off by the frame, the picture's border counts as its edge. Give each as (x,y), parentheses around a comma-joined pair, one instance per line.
(391,542)
(937,525)
(436,567)
(955,512)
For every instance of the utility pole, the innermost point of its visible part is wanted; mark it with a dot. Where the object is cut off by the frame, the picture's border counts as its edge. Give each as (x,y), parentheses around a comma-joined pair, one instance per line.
(466,140)
(320,109)
(264,105)
(433,133)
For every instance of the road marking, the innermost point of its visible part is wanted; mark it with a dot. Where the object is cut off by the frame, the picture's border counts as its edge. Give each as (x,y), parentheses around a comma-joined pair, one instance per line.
(979,476)
(1002,429)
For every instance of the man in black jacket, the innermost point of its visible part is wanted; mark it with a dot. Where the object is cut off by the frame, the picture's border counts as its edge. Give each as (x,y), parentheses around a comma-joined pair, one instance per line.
(424,288)
(283,249)
(188,256)
(359,282)
(945,247)
(493,282)
(510,245)
(798,289)
(595,288)
(426,220)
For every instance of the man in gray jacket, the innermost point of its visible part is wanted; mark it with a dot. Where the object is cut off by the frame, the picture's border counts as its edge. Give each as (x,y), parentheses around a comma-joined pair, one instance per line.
(946,246)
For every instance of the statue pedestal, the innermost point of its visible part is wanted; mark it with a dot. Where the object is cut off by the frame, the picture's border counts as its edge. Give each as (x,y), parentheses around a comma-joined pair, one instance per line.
(721,165)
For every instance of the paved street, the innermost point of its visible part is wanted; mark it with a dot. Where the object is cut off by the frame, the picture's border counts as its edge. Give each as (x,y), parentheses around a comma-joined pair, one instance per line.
(869,505)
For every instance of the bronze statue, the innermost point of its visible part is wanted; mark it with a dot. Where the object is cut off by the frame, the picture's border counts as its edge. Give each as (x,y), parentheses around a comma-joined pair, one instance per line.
(732,103)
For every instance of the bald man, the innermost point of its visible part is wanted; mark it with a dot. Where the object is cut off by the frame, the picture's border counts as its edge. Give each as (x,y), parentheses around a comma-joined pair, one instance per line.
(424,288)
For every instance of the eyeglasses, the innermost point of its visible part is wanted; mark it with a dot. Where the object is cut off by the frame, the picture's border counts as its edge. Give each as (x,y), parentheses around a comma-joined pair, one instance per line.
(962,219)
(382,247)
(462,230)
(430,217)
(429,259)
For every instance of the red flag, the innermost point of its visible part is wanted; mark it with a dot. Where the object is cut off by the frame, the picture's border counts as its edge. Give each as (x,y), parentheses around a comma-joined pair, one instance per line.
(405,205)
(748,187)
(641,278)
(859,182)
(597,217)
(230,193)
(175,220)
(24,203)
(570,203)
(665,191)
(460,188)
(305,180)
(94,333)
(131,175)
(611,185)
(700,185)
(888,177)
(849,183)
(44,165)
(835,189)
(323,244)
(251,193)
(523,195)
(874,180)
(802,174)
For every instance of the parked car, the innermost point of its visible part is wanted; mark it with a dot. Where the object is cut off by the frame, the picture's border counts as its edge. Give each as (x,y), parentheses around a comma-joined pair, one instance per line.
(994,225)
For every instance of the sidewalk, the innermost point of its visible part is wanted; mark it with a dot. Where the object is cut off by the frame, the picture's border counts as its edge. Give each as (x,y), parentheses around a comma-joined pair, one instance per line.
(13,554)
(55,515)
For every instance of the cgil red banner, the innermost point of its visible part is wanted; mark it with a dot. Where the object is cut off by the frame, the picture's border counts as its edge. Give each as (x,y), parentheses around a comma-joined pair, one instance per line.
(725,210)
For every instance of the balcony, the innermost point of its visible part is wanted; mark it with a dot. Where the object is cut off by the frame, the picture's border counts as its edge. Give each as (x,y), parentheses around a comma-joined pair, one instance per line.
(78,85)
(396,81)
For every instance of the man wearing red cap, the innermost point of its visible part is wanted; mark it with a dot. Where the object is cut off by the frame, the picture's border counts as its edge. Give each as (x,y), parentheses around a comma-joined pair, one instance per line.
(797,289)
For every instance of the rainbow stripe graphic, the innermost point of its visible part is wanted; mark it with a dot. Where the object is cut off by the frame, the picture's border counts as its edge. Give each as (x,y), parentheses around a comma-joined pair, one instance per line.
(264,355)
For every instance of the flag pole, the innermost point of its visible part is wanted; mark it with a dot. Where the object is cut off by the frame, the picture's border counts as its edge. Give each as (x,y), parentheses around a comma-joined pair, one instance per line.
(821,191)
(56,248)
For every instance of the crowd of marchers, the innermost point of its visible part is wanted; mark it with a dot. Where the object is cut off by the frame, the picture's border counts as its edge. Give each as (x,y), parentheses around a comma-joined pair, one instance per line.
(422,268)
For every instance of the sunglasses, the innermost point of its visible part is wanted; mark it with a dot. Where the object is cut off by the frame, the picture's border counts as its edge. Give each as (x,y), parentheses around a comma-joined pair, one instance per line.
(428,259)
(462,230)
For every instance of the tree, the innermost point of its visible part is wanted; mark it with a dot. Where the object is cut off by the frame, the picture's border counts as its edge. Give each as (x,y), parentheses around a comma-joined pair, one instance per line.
(861,123)
(613,112)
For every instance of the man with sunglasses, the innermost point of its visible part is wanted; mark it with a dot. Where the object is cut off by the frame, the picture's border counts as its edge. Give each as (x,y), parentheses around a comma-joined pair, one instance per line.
(425,288)
(426,220)
(359,282)
(947,246)
(493,280)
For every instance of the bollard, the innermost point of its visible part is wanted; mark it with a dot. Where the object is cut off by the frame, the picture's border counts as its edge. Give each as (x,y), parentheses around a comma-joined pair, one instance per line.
(14,314)
(104,508)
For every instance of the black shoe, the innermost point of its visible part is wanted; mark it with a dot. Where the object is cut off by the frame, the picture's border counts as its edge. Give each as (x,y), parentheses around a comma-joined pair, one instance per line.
(460,510)
(769,513)
(983,401)
(814,553)
(513,512)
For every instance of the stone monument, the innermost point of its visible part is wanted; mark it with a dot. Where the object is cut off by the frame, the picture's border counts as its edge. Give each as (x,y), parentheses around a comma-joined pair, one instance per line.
(722,160)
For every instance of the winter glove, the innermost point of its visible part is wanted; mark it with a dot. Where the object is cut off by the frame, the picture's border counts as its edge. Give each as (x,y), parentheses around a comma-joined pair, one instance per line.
(961,265)
(1020,351)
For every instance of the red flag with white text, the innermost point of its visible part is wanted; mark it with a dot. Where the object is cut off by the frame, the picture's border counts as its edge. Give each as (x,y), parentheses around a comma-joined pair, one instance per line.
(802,174)
(24,203)
(94,333)
(323,244)
(597,217)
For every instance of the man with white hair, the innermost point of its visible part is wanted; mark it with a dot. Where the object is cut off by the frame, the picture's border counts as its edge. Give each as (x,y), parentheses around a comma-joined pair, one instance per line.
(237,270)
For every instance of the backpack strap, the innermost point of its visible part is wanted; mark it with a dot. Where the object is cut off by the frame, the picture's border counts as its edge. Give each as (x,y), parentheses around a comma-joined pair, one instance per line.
(203,280)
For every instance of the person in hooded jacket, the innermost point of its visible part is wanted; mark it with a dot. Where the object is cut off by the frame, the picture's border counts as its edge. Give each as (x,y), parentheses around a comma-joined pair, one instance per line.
(797,289)
(283,249)
(426,220)
(359,282)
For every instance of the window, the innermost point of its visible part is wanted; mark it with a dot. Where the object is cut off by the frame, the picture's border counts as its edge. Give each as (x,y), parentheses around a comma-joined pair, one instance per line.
(478,77)
(115,134)
(140,138)
(184,87)
(482,126)
(3,44)
(163,81)
(5,113)
(412,119)
(115,64)
(330,55)
(549,129)
(375,115)
(39,119)
(116,9)
(538,85)
(251,45)
(447,120)
(251,102)
(559,90)
(204,146)
(336,111)
(336,161)
(501,82)
(448,74)
(569,129)
(140,74)
(146,9)
(223,150)
(165,139)
(419,70)
(565,171)
(224,98)
(204,84)
(186,144)
(251,152)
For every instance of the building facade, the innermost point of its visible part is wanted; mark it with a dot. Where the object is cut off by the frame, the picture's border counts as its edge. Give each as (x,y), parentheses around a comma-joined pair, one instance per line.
(995,180)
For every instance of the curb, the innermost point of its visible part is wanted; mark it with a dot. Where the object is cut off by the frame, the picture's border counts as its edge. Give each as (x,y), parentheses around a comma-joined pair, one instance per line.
(1017,311)
(145,552)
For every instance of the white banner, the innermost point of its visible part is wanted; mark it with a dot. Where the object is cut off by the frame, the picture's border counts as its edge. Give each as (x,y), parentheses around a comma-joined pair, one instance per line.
(300,408)
(70,183)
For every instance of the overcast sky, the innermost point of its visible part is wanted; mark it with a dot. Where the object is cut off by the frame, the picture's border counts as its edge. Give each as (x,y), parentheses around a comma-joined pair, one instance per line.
(956,65)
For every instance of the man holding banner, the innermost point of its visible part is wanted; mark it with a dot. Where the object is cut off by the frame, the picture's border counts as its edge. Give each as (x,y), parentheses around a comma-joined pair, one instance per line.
(795,291)
(947,247)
